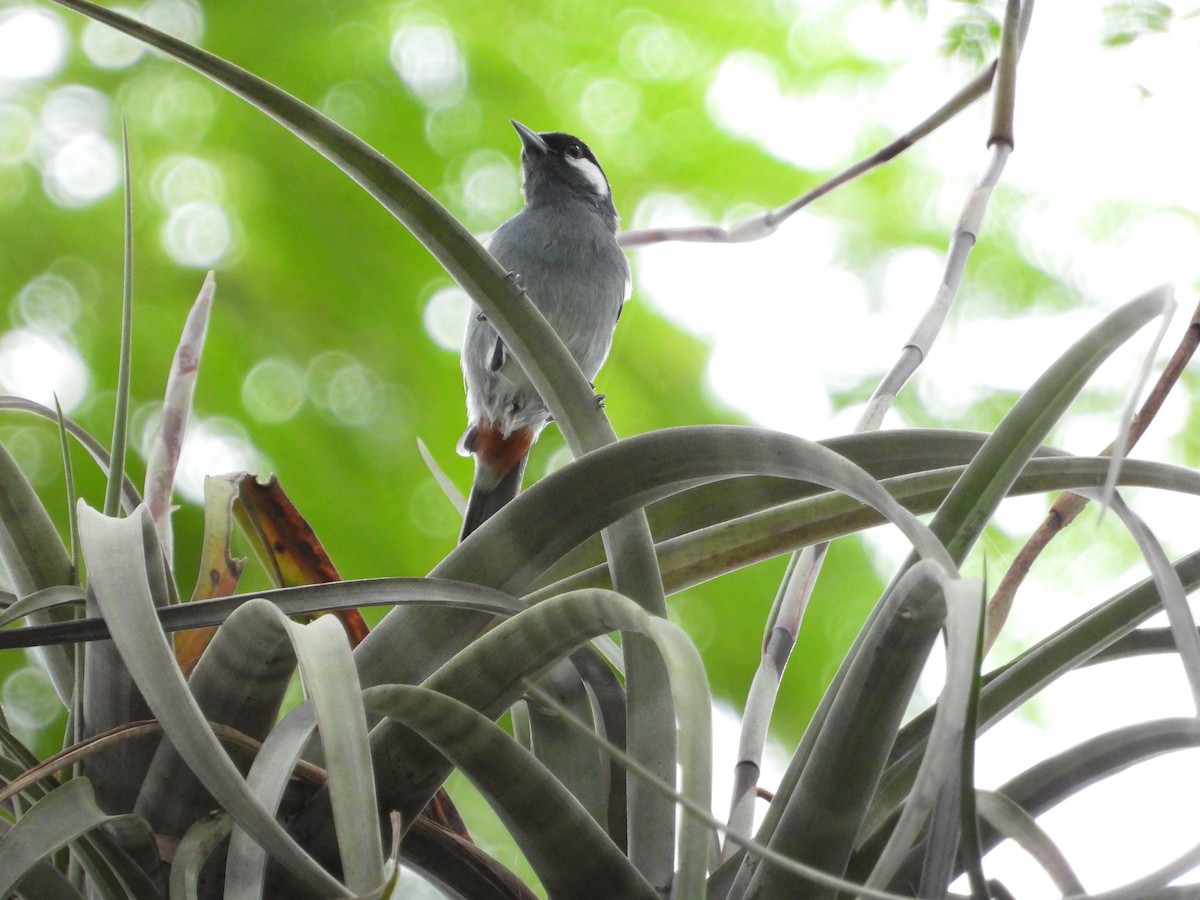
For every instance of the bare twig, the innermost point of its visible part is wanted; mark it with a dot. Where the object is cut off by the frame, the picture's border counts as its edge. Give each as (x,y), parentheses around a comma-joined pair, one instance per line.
(927,330)
(784,622)
(1012,37)
(1000,141)
(130,731)
(1068,506)
(766,223)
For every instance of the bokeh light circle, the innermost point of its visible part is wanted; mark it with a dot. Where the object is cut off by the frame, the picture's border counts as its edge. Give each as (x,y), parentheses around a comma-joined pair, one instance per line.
(33,43)
(197,234)
(273,391)
(445,317)
(40,365)
(426,57)
(48,302)
(29,698)
(108,48)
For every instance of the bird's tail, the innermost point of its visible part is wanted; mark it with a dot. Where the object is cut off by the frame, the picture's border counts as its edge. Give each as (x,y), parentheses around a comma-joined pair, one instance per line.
(486,502)
(499,468)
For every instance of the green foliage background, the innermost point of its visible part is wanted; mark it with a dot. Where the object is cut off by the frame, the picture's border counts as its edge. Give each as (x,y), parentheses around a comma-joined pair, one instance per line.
(317,267)
(321,279)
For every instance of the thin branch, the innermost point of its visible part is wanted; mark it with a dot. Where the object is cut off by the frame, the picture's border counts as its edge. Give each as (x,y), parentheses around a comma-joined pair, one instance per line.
(766,223)
(1068,506)
(130,731)
(921,342)
(783,624)
(1011,39)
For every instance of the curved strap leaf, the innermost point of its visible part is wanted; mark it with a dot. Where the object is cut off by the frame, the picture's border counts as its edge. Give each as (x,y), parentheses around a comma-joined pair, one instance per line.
(193,852)
(33,555)
(1006,688)
(1053,780)
(331,685)
(240,682)
(294,601)
(970,504)
(64,815)
(820,804)
(571,854)
(771,524)
(130,497)
(116,558)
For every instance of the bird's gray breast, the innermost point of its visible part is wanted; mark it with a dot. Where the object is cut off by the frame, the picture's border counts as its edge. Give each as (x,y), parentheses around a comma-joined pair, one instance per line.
(568,260)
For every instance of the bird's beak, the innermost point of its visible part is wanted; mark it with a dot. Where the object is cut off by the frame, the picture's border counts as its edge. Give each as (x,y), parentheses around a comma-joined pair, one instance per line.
(530,139)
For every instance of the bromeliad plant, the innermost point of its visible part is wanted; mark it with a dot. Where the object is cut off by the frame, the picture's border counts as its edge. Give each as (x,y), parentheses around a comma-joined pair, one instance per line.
(182,780)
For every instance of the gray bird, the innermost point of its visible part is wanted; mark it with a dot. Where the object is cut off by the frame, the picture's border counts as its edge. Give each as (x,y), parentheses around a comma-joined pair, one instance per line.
(562,247)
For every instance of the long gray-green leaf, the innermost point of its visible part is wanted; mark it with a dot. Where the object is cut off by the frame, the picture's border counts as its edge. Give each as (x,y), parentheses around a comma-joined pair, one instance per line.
(1013,823)
(117,565)
(606,484)
(33,555)
(970,505)
(240,681)
(331,684)
(120,435)
(41,601)
(1010,686)
(294,601)
(1171,593)
(129,495)
(111,697)
(823,797)
(572,855)
(63,815)
(245,869)
(770,526)
(193,853)
(941,760)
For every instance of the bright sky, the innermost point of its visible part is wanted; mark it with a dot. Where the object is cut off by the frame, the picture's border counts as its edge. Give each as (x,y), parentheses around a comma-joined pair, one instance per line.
(1102,136)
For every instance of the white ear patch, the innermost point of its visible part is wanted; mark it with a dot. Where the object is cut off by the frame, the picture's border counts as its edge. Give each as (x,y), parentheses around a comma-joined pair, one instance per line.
(592,173)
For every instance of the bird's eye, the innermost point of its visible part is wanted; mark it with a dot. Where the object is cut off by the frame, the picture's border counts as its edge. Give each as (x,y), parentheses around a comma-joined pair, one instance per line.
(574,150)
